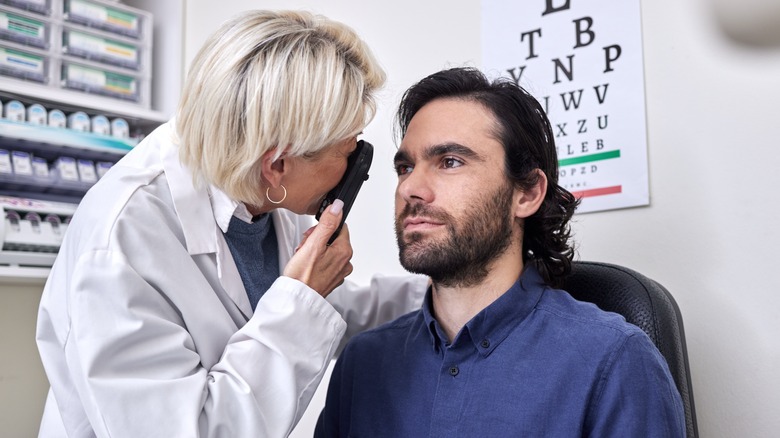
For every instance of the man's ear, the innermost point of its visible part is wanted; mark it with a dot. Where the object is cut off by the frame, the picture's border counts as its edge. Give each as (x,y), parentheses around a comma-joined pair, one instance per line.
(273,169)
(527,202)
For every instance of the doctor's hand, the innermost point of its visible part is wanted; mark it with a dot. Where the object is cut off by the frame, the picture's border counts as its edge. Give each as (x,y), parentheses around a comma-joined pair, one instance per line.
(319,266)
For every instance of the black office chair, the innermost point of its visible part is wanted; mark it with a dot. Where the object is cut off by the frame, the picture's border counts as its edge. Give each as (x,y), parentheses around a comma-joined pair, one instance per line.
(646,304)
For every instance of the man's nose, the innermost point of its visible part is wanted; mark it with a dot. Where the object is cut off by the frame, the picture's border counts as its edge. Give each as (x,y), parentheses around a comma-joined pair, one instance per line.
(416,187)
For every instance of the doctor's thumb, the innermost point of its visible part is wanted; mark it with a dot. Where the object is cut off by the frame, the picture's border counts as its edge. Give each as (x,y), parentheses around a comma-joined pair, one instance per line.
(336,207)
(330,219)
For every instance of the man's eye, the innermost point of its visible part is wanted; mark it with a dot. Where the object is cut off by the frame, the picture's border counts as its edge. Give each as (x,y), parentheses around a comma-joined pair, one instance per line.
(451,163)
(402,169)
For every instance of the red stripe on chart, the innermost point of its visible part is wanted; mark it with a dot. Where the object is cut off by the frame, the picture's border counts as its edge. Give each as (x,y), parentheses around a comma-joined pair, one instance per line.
(598,192)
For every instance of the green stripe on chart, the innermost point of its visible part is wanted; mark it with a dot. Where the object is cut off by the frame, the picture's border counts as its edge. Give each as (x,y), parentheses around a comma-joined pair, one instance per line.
(589,158)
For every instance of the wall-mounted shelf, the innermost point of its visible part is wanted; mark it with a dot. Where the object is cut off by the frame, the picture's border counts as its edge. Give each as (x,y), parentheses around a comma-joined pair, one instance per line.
(49,137)
(23,275)
(31,232)
(153,58)
(68,100)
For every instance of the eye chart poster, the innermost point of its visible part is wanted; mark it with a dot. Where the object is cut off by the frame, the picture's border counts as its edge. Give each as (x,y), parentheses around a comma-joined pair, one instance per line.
(582,59)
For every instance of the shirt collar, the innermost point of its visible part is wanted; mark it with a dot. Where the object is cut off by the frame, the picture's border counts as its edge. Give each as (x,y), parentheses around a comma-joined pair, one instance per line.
(488,328)
(195,205)
(437,335)
(225,208)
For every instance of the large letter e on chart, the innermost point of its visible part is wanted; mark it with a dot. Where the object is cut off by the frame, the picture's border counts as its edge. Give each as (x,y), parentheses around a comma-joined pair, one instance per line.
(550,8)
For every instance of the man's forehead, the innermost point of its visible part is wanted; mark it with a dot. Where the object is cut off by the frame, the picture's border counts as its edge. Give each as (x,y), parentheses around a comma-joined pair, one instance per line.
(450,120)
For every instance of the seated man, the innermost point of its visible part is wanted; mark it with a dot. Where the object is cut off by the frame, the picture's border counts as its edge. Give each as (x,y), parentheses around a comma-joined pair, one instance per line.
(496,350)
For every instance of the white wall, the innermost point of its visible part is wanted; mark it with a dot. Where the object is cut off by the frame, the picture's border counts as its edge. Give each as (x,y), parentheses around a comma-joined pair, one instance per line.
(23,384)
(710,234)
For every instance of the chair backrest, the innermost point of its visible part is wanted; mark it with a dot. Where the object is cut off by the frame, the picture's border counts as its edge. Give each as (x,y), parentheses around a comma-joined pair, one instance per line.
(646,304)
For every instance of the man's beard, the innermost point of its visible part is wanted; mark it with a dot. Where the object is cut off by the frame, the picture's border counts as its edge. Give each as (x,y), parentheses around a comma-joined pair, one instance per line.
(473,242)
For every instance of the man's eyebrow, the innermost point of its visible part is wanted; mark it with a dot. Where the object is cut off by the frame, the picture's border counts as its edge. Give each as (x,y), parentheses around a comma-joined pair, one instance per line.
(401,157)
(438,150)
(451,148)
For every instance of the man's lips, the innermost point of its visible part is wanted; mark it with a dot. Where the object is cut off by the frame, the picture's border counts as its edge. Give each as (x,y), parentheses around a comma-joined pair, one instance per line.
(420,224)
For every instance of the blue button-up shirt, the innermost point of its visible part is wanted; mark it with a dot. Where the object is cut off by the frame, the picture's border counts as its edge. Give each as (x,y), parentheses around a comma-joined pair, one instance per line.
(534,363)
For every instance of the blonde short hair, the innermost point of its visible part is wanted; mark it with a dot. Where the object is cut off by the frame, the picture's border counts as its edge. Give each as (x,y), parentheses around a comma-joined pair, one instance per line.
(287,79)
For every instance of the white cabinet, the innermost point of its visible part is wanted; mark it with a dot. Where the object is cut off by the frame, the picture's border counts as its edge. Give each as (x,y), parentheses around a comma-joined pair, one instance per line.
(118,60)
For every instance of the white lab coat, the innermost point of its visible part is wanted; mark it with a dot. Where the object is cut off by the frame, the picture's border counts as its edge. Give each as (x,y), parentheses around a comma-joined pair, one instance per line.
(145,329)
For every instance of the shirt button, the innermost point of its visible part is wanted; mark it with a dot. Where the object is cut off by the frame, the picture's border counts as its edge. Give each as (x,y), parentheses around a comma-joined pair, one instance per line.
(485,343)
(454,371)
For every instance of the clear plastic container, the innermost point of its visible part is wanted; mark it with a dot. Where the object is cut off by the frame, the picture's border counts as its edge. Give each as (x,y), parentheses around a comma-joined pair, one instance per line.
(37,6)
(109,18)
(100,81)
(23,29)
(23,64)
(100,49)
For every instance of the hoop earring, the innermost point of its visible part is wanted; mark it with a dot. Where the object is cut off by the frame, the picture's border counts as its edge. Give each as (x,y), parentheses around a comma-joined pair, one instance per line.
(279,201)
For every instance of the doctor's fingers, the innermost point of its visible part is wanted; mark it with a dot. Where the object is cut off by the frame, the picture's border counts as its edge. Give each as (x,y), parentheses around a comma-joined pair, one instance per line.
(320,269)
(341,251)
(332,266)
(344,273)
(319,266)
(305,236)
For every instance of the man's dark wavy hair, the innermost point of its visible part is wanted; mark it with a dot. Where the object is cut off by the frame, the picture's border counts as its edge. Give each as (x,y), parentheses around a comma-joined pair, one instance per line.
(527,137)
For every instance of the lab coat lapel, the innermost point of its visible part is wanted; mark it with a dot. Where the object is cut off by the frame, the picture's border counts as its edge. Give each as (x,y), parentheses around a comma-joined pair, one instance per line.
(202,235)
(287,239)
(192,204)
(230,278)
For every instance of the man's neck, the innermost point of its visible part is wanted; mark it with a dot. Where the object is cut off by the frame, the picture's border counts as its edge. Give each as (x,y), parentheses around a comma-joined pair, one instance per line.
(454,306)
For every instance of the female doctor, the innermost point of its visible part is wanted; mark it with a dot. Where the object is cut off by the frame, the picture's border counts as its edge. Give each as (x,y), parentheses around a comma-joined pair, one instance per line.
(187,298)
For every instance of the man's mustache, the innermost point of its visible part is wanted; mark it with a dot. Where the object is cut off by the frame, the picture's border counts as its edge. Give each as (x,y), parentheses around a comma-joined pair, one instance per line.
(419,209)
